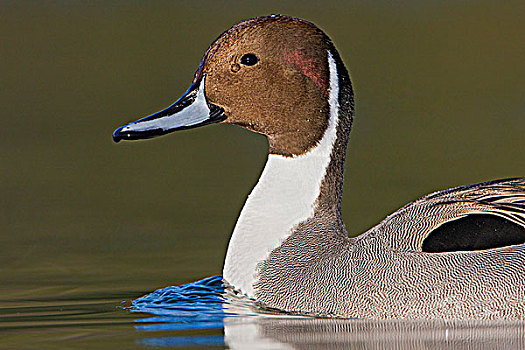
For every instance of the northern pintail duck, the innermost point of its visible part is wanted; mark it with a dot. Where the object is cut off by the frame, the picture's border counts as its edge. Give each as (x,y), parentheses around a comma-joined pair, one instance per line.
(453,254)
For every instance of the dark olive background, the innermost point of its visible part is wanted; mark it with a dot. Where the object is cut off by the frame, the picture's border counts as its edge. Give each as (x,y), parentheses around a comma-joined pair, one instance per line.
(439,96)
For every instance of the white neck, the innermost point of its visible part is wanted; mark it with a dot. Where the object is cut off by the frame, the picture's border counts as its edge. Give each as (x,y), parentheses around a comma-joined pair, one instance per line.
(284,197)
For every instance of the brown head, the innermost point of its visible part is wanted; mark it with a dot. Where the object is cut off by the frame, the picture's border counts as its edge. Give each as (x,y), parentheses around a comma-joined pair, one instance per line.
(267,74)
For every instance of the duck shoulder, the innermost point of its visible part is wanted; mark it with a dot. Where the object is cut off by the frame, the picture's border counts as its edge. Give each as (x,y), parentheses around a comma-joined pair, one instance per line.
(476,217)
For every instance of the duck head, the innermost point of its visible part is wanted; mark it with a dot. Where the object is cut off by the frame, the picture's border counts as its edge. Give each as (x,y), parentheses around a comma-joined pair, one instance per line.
(267,74)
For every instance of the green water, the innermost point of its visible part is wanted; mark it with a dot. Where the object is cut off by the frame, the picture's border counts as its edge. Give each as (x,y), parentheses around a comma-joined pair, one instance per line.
(86,223)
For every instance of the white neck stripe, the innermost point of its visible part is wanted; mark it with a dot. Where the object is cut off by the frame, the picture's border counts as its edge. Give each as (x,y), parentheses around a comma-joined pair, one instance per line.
(284,196)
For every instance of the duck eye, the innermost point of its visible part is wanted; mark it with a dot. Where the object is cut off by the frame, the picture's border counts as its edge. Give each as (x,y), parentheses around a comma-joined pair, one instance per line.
(249,59)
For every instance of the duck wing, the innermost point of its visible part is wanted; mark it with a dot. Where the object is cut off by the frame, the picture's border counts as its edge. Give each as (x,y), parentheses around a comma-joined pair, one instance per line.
(467,218)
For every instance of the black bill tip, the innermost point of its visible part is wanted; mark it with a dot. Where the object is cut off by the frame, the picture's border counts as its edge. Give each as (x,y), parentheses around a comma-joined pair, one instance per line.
(118,135)
(124,133)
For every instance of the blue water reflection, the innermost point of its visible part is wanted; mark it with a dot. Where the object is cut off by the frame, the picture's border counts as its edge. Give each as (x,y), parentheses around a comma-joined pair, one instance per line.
(210,340)
(200,300)
(198,305)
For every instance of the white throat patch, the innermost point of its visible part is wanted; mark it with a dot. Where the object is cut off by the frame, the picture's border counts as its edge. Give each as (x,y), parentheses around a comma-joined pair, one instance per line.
(284,197)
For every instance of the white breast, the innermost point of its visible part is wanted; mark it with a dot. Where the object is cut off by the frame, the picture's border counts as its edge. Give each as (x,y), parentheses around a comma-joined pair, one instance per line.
(284,197)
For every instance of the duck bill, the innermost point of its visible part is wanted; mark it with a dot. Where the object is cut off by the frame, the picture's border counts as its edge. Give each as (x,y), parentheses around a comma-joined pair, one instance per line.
(190,111)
